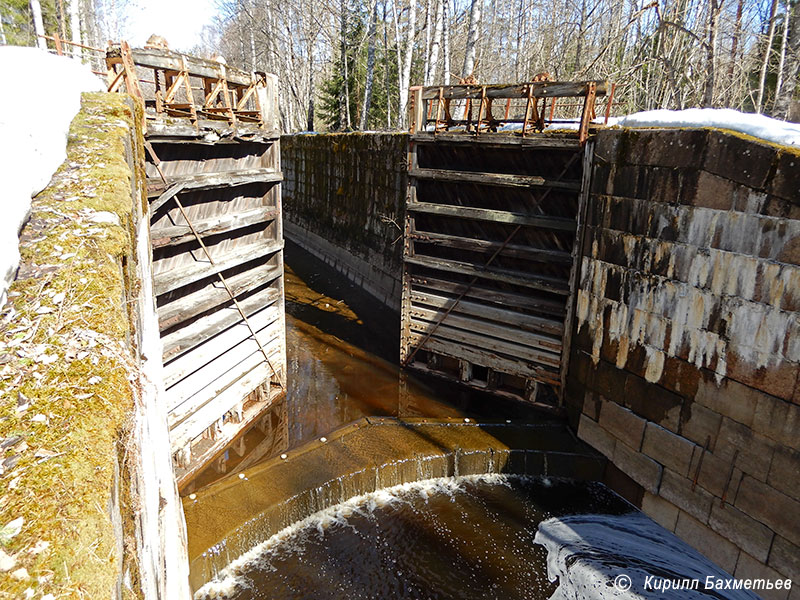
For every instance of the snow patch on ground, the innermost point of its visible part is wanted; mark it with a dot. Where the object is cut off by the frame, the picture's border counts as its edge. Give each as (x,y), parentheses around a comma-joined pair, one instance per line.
(603,557)
(34,121)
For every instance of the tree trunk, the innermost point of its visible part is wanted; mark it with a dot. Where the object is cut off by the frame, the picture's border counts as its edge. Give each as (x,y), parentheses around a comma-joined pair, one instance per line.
(370,67)
(427,52)
(386,68)
(75,28)
(472,38)
(344,92)
(405,72)
(784,43)
(38,25)
(767,51)
(433,62)
(784,102)
(446,42)
(737,33)
(715,6)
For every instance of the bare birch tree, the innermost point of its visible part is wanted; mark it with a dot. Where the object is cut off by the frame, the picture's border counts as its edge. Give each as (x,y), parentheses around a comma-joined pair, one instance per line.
(472,38)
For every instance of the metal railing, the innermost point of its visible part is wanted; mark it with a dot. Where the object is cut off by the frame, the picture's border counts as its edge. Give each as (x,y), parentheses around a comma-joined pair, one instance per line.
(523,108)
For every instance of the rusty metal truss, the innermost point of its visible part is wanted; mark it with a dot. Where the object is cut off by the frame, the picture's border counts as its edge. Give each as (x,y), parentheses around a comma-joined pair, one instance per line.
(188,87)
(523,109)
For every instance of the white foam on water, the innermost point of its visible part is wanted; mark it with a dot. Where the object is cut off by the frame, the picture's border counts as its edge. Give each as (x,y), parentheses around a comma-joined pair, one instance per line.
(231,578)
(587,554)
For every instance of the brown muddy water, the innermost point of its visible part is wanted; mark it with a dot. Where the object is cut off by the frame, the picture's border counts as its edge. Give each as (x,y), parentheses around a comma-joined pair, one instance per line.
(445,539)
(495,536)
(343,352)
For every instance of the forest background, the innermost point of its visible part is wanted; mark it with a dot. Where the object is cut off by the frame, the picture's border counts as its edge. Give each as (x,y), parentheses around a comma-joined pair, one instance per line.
(347,64)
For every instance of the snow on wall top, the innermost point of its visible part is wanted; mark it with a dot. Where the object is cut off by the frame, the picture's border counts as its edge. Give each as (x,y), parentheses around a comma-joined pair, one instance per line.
(759,126)
(34,122)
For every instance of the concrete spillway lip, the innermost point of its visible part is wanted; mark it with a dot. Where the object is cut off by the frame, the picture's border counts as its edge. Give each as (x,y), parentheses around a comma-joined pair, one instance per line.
(228,518)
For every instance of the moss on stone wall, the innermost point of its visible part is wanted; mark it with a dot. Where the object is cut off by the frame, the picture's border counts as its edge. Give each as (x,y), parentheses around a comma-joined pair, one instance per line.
(348,188)
(66,366)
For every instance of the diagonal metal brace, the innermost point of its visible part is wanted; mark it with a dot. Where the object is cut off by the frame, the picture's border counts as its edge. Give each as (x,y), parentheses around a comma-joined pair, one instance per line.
(172,193)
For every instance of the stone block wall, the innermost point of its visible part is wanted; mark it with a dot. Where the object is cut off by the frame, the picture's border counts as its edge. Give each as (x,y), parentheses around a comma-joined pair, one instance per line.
(85,470)
(685,360)
(344,201)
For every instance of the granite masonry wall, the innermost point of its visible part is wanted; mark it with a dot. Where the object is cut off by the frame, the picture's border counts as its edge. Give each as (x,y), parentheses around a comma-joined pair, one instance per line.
(685,360)
(344,201)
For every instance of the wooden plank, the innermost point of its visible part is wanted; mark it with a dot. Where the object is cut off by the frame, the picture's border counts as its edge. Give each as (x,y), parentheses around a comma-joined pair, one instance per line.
(184,339)
(494,179)
(157,58)
(515,318)
(172,130)
(494,216)
(501,139)
(481,357)
(214,294)
(512,350)
(514,250)
(488,328)
(203,181)
(176,278)
(201,385)
(503,298)
(228,432)
(545,89)
(177,234)
(204,416)
(538,282)
(577,253)
(212,347)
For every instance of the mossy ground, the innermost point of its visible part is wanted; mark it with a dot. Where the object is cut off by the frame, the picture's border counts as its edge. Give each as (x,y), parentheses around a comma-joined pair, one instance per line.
(65,366)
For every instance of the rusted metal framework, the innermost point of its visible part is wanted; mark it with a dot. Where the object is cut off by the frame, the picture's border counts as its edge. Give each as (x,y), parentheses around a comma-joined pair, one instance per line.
(523,108)
(213,185)
(192,88)
(494,211)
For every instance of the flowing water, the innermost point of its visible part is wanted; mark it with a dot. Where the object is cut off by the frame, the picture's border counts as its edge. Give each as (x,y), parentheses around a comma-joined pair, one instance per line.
(451,538)
(342,351)
(495,536)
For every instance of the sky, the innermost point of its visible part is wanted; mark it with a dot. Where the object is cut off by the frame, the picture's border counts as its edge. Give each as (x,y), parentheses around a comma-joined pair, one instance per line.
(179,21)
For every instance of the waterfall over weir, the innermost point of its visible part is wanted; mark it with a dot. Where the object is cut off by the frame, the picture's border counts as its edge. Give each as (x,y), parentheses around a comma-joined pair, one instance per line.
(228,519)
(492,536)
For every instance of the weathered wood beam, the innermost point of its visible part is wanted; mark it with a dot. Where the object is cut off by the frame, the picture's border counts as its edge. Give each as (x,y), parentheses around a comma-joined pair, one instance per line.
(495,216)
(499,140)
(173,279)
(156,58)
(513,250)
(540,282)
(252,413)
(210,348)
(178,234)
(474,326)
(547,89)
(199,386)
(495,179)
(478,356)
(485,343)
(503,298)
(162,129)
(522,321)
(184,339)
(200,419)
(157,187)
(214,294)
